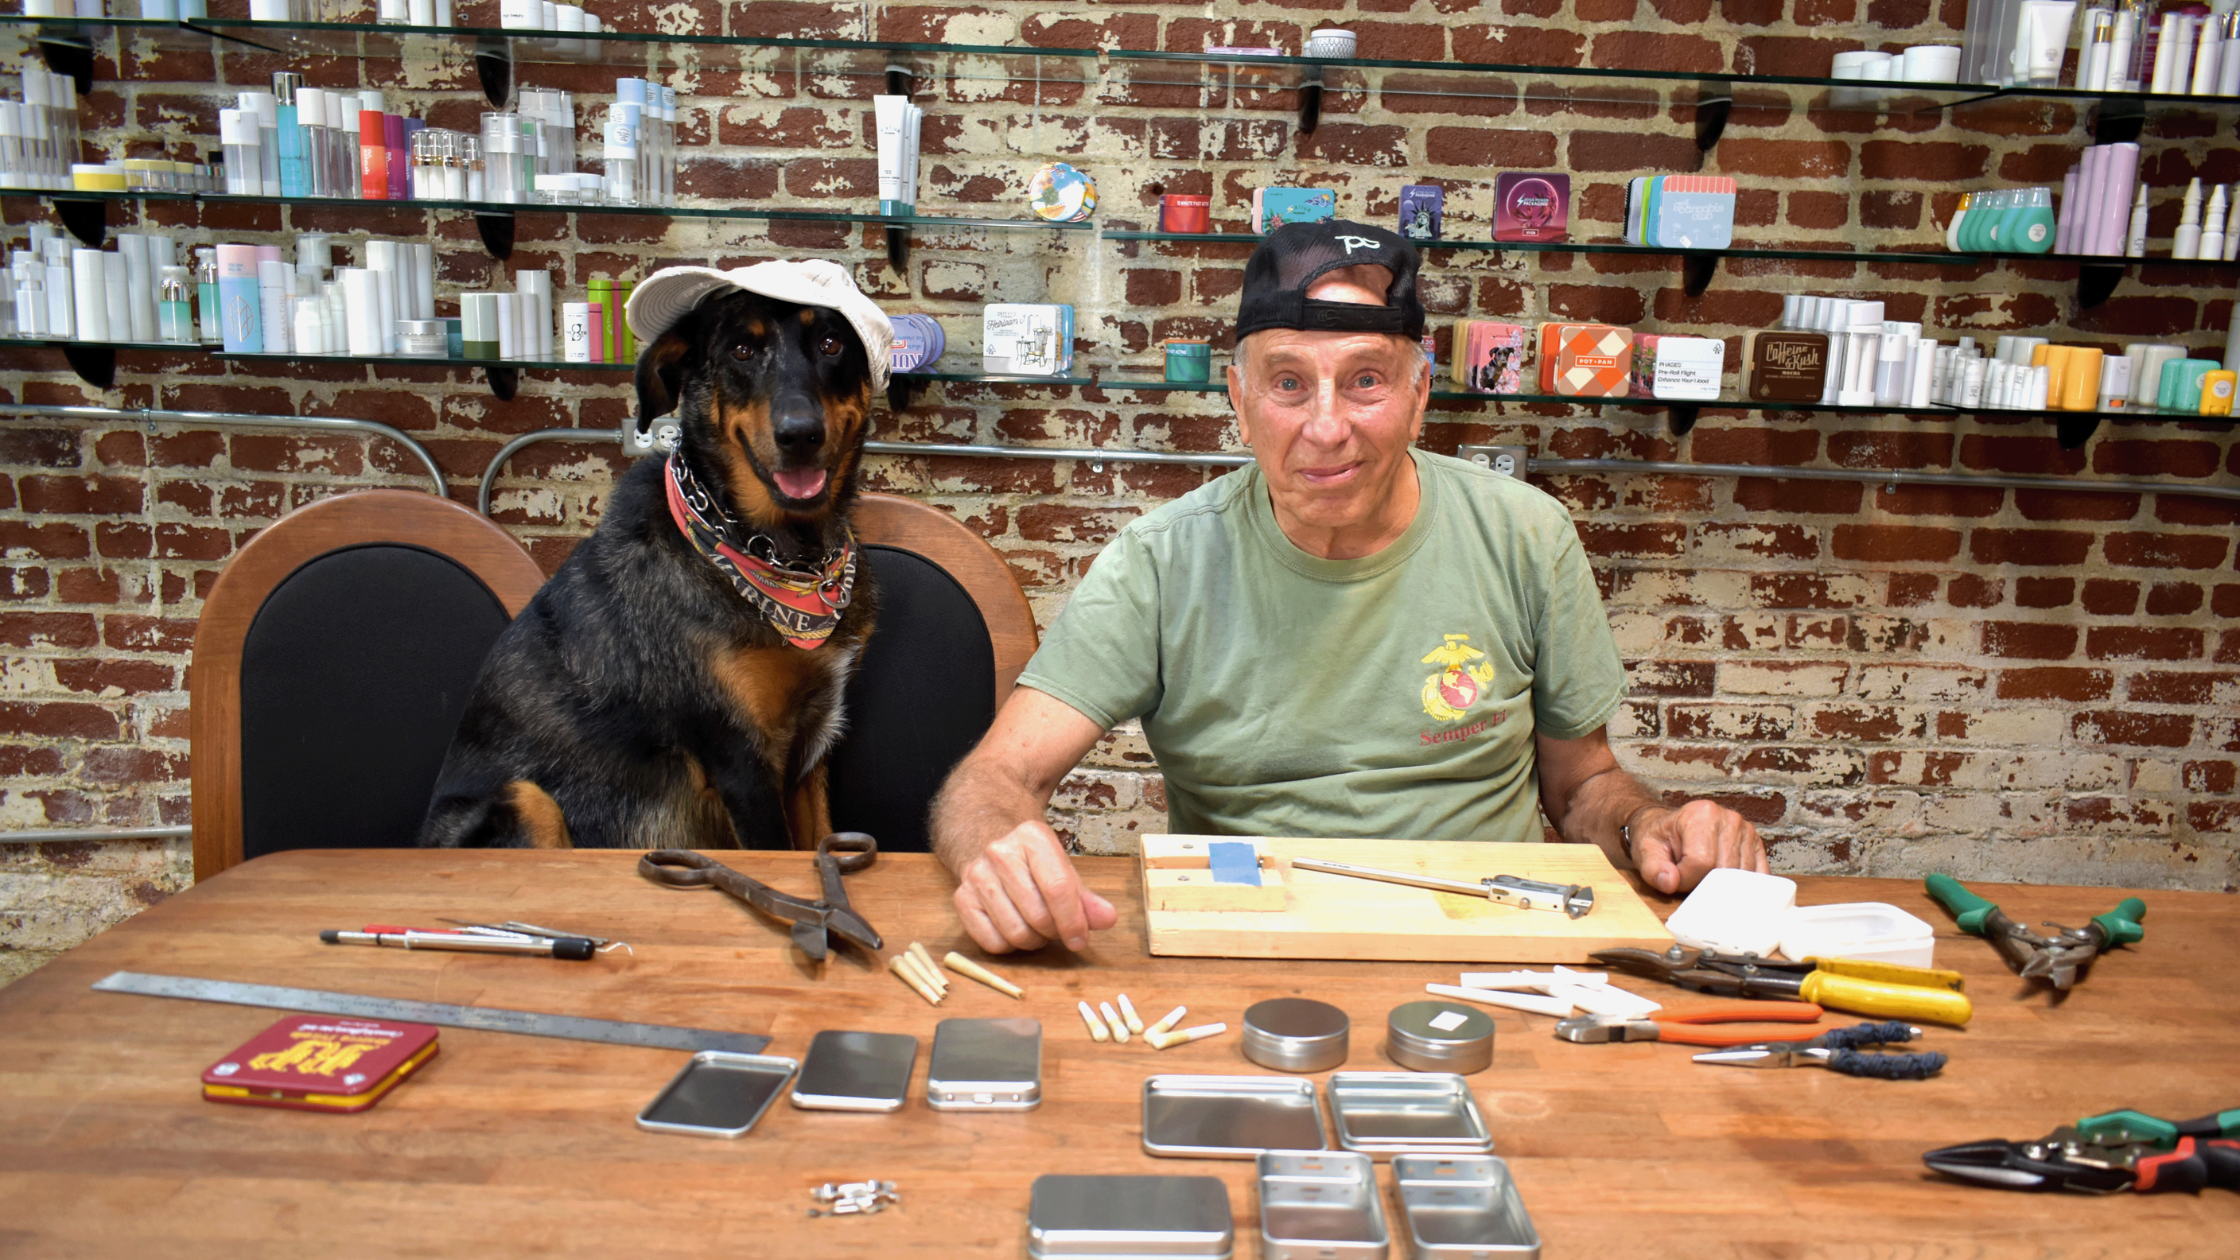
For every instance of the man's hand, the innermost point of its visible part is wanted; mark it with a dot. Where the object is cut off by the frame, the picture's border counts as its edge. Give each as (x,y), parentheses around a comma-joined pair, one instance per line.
(1674,848)
(1021,892)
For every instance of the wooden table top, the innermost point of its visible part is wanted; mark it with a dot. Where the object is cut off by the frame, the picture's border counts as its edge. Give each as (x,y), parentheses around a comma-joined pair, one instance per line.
(507,1145)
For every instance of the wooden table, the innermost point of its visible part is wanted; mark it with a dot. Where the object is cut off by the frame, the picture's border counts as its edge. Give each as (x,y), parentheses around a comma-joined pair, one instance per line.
(509,1145)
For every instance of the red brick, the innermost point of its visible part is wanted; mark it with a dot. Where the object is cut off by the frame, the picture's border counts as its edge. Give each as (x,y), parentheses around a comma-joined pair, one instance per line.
(2123,727)
(1786,160)
(2055,683)
(2216,777)
(1906,448)
(2225,602)
(43,448)
(1596,151)
(2143,643)
(1829,498)
(1487,147)
(2173,599)
(1970,591)
(95,496)
(2029,640)
(1607,540)
(2044,592)
(1884,544)
(2159,459)
(1756,445)
(47,629)
(58,721)
(2107,597)
(54,540)
(1797,590)
(1919,162)
(2166,551)
(2037,547)
(2156,686)
(1821,211)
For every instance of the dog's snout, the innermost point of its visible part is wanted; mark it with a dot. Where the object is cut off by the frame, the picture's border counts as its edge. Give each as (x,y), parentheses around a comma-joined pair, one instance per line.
(797,426)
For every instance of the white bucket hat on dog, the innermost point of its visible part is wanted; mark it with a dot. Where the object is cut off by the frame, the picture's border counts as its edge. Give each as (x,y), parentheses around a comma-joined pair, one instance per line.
(668,295)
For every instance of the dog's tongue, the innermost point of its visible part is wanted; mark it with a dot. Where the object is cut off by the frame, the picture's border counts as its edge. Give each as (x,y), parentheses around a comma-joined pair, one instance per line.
(801,485)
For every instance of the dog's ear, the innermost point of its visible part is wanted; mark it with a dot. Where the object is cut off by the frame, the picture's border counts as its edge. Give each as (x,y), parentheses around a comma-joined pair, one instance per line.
(661,374)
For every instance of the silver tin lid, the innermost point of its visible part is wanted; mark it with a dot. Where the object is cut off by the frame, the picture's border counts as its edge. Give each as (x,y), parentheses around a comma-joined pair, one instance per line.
(1296,1034)
(1439,1037)
(1071,1215)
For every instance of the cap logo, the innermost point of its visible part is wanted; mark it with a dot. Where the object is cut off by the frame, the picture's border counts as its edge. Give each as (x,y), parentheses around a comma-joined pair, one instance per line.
(1353,243)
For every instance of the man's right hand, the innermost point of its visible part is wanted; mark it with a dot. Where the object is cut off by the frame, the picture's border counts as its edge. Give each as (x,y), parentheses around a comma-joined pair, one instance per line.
(1021,892)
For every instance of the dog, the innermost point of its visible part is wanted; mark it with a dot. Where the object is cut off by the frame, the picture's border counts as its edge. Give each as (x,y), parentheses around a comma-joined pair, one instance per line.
(678,682)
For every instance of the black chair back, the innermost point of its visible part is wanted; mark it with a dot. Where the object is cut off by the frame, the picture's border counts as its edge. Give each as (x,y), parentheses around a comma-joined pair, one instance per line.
(353,677)
(923,696)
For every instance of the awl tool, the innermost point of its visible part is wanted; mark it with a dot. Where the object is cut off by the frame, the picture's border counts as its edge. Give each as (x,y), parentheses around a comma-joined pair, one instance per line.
(2055,959)
(1885,990)
(1532,894)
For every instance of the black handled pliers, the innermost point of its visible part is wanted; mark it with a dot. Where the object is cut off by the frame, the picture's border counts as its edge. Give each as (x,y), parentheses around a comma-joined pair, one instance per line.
(2104,1154)
(814,922)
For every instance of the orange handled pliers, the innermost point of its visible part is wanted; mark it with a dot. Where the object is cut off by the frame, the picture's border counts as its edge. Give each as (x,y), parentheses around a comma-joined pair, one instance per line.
(1683,1027)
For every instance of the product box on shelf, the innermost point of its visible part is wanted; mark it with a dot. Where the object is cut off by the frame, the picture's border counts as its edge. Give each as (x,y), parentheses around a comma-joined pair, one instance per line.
(1681,211)
(1585,360)
(1026,339)
(1274,207)
(1678,368)
(1423,211)
(1488,356)
(1782,365)
(1531,206)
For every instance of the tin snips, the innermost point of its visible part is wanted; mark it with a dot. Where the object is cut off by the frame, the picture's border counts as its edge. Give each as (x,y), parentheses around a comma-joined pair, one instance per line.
(814,922)
(2055,959)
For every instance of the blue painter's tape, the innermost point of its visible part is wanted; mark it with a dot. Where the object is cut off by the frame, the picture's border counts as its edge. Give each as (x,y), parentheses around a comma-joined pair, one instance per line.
(1234,863)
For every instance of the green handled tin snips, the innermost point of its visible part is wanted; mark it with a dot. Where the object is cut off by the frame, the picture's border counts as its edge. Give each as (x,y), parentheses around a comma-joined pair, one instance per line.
(2055,959)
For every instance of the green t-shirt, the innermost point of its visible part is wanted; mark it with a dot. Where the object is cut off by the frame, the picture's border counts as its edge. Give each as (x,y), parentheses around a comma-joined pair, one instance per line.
(1394,695)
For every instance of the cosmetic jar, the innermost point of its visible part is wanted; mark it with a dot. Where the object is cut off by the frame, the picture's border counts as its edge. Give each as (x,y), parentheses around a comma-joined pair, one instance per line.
(423,339)
(1296,1034)
(1330,42)
(1185,212)
(1189,361)
(1439,1037)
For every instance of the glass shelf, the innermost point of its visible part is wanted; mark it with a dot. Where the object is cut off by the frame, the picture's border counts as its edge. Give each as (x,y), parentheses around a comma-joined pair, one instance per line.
(532,207)
(406,360)
(992,378)
(63,343)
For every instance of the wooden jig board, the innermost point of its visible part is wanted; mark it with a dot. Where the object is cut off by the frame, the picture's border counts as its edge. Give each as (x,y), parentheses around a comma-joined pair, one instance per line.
(1336,916)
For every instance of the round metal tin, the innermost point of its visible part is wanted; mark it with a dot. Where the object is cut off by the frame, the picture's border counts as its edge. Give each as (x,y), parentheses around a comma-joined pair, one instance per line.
(1296,1034)
(1439,1037)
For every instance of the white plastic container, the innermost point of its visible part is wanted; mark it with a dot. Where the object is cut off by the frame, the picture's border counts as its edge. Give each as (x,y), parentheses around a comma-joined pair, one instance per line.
(1870,931)
(1740,912)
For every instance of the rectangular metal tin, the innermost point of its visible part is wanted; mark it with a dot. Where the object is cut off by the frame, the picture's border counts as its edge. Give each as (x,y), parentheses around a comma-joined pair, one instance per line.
(766,1074)
(855,1071)
(985,1065)
(1462,1207)
(1384,1112)
(1320,1205)
(1230,1117)
(1130,1218)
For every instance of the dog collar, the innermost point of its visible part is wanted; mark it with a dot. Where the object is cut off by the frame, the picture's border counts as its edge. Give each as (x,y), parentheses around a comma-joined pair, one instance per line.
(802,604)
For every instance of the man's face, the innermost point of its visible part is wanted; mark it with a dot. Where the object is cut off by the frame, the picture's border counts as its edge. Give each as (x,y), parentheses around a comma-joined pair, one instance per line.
(1330,415)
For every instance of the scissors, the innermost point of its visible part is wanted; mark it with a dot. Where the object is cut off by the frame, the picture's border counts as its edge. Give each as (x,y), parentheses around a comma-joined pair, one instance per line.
(813,921)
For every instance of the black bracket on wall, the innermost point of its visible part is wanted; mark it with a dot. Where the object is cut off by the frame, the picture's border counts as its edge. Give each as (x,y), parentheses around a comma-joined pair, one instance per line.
(901,80)
(901,393)
(1310,100)
(68,54)
(2096,282)
(2118,121)
(1681,417)
(86,218)
(898,249)
(505,382)
(493,64)
(1696,270)
(2074,429)
(1714,102)
(95,365)
(496,229)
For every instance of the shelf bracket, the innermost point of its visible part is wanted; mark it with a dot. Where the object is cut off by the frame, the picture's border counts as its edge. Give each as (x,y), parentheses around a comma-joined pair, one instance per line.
(1714,102)
(898,249)
(901,80)
(2118,122)
(901,393)
(95,365)
(505,382)
(1681,417)
(493,64)
(496,229)
(2075,429)
(2096,282)
(1310,100)
(84,218)
(65,54)
(1696,270)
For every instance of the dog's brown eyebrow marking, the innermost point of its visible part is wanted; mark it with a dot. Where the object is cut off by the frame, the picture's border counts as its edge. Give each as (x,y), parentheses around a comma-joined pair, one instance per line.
(756,328)
(808,315)
(540,815)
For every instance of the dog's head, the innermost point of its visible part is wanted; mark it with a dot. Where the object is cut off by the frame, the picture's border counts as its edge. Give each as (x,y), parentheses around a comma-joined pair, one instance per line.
(773,397)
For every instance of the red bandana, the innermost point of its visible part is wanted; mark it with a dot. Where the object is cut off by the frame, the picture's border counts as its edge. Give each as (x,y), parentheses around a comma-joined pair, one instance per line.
(802,604)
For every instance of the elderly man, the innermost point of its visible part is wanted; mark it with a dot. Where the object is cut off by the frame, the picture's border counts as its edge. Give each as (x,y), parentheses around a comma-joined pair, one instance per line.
(1349,637)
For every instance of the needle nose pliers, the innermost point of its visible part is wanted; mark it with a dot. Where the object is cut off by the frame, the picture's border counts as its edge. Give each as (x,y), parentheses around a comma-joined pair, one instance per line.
(1838,1050)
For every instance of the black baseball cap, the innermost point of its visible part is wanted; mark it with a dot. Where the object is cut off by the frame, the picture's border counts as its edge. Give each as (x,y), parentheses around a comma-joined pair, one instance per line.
(1291,258)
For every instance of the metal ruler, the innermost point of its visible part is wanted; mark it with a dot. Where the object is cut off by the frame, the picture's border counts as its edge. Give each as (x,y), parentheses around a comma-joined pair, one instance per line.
(487,1018)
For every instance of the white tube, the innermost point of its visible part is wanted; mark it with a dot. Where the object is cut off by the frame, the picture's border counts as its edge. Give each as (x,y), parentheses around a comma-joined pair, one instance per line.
(385,298)
(1924,372)
(308,336)
(361,293)
(2228,56)
(117,298)
(910,134)
(275,315)
(888,114)
(538,285)
(2119,53)
(2042,38)
(89,294)
(2166,39)
(509,339)
(2206,47)
(424,279)
(139,286)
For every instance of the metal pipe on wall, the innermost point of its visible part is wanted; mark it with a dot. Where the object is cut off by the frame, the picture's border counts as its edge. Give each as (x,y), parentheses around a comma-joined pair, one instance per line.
(80,834)
(159,415)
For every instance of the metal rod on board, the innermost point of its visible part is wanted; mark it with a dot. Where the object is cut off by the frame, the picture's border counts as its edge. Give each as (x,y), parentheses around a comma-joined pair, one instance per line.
(160,415)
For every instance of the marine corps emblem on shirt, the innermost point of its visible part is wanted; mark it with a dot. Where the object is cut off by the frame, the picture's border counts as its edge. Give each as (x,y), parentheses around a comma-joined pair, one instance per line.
(1449,693)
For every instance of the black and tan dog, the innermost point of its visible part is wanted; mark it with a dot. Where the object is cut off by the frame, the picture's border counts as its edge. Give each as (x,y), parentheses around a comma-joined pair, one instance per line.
(677,684)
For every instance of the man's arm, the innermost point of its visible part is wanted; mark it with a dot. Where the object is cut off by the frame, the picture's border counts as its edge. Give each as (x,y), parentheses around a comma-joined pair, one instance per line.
(1016,888)
(1590,799)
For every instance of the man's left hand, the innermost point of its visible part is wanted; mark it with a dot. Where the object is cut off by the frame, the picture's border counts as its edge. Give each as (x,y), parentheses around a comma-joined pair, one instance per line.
(1674,849)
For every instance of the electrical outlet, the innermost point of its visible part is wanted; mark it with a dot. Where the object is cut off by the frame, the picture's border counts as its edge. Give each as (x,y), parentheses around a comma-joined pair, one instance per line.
(1509,461)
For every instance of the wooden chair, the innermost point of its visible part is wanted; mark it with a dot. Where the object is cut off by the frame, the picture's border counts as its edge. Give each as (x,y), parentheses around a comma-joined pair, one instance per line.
(334,656)
(954,631)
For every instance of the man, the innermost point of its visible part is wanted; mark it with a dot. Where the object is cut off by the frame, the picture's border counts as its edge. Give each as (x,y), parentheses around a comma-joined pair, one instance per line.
(1349,637)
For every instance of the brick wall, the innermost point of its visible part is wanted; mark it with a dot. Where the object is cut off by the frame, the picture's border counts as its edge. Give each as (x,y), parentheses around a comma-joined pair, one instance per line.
(2029,685)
